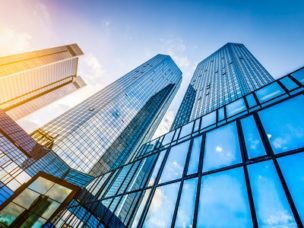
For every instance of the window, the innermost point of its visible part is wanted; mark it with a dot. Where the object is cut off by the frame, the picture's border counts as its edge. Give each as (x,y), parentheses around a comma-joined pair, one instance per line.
(221,114)
(208,119)
(175,163)
(253,142)
(140,208)
(186,130)
(271,205)
(156,167)
(251,100)
(223,200)
(284,124)
(185,213)
(168,138)
(299,75)
(292,168)
(222,148)
(195,155)
(268,92)
(235,107)
(288,83)
(162,206)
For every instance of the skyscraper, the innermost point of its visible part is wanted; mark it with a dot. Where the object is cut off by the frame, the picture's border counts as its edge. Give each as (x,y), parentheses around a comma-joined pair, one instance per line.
(32,80)
(223,77)
(100,133)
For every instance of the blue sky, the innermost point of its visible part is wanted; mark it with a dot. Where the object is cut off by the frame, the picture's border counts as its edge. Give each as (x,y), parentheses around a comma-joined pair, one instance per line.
(117,36)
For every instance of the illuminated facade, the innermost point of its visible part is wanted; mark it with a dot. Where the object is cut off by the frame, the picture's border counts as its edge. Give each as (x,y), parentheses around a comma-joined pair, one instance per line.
(228,74)
(30,81)
(102,132)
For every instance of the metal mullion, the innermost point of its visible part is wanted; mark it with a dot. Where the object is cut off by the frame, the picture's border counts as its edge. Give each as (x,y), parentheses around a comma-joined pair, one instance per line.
(295,80)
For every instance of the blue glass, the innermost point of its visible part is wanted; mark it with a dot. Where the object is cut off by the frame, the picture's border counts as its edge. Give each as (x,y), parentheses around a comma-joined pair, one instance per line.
(186,130)
(269,92)
(293,172)
(168,138)
(5,193)
(271,206)
(208,119)
(222,148)
(140,208)
(235,107)
(251,100)
(156,167)
(224,200)
(299,75)
(195,155)
(221,114)
(284,124)
(185,213)
(288,83)
(196,125)
(162,206)
(175,163)
(253,142)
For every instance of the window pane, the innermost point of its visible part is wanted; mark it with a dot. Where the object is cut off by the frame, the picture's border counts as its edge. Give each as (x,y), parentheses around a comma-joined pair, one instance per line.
(251,101)
(10,213)
(223,200)
(140,208)
(156,167)
(168,138)
(284,124)
(185,213)
(208,119)
(58,193)
(26,198)
(222,148)
(221,114)
(41,185)
(268,92)
(292,168)
(175,163)
(186,130)
(235,107)
(288,83)
(252,138)
(299,75)
(162,206)
(271,205)
(195,156)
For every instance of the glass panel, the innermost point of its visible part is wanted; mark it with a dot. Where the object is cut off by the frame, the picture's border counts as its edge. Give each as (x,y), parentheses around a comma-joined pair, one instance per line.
(196,125)
(41,185)
(156,167)
(223,200)
(235,107)
(186,130)
(208,119)
(222,148)
(299,75)
(50,209)
(176,134)
(162,206)
(292,168)
(221,114)
(33,221)
(168,137)
(195,155)
(9,214)
(288,83)
(175,163)
(140,208)
(58,193)
(284,124)
(253,142)
(268,92)
(251,100)
(26,198)
(271,205)
(185,213)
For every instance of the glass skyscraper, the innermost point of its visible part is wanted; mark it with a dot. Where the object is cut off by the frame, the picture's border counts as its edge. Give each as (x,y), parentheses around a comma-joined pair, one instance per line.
(31,80)
(100,133)
(224,76)
(240,165)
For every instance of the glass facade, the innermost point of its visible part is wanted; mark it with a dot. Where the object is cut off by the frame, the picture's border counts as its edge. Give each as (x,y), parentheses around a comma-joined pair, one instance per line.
(102,132)
(32,80)
(223,77)
(240,169)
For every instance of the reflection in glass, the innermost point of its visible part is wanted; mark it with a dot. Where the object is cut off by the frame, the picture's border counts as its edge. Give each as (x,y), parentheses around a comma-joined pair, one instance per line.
(223,200)
(252,138)
(299,75)
(288,83)
(168,138)
(235,107)
(50,209)
(185,213)
(221,114)
(9,214)
(186,130)
(284,124)
(156,167)
(208,119)
(58,193)
(292,168)
(26,198)
(41,185)
(140,208)
(162,206)
(175,163)
(222,148)
(271,205)
(251,100)
(33,221)
(268,92)
(195,155)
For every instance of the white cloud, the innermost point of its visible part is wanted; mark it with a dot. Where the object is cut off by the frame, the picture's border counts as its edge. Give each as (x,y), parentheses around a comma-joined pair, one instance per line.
(165,124)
